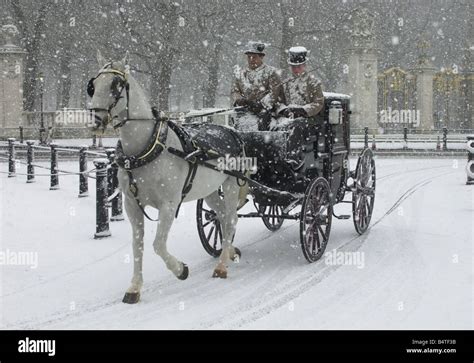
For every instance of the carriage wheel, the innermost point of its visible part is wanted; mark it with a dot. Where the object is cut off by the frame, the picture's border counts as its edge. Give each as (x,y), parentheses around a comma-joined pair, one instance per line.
(363,194)
(272,223)
(209,229)
(315,219)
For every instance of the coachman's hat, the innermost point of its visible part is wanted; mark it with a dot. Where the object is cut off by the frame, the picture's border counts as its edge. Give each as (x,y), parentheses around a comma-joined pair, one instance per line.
(297,56)
(255,48)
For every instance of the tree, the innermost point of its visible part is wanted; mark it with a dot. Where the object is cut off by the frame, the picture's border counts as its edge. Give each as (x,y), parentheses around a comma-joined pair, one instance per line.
(154,29)
(31,38)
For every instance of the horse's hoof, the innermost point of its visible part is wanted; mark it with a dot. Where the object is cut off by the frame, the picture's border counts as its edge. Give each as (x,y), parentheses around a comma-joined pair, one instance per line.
(222,274)
(237,255)
(131,298)
(184,275)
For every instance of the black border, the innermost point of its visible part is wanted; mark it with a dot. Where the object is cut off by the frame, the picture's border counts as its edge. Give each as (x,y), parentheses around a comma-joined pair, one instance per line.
(289,346)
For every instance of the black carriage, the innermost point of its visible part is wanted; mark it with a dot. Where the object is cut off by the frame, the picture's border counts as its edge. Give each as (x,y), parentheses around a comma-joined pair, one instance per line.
(310,193)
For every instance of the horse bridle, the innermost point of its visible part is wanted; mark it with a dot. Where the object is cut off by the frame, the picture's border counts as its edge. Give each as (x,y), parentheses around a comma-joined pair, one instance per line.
(119,80)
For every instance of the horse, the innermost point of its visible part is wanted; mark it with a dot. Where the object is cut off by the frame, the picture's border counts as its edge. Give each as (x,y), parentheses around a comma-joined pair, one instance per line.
(119,100)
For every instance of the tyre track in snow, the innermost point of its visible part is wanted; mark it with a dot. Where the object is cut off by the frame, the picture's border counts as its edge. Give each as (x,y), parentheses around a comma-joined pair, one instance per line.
(263,299)
(81,268)
(283,295)
(154,287)
(99,260)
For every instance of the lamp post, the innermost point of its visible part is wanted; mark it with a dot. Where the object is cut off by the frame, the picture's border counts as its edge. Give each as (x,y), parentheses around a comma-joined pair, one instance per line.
(42,128)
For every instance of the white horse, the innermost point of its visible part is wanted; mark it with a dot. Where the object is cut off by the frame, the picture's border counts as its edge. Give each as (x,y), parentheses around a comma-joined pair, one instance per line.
(119,99)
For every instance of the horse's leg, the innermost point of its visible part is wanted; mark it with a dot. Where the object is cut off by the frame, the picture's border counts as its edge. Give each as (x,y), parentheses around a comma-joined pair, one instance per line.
(179,269)
(227,214)
(135,215)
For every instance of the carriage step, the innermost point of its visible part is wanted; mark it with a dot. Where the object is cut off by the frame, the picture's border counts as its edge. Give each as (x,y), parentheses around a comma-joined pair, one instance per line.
(342,216)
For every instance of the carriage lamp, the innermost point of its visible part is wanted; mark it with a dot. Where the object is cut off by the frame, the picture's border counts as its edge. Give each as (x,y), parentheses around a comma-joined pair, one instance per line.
(335,113)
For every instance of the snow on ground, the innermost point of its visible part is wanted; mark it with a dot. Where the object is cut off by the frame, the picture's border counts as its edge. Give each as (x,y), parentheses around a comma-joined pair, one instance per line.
(415,269)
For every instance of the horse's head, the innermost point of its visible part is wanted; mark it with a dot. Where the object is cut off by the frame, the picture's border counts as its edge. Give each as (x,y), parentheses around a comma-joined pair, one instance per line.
(109,92)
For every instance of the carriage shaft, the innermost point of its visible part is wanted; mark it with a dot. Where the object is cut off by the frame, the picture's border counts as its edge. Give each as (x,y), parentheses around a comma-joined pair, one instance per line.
(260,215)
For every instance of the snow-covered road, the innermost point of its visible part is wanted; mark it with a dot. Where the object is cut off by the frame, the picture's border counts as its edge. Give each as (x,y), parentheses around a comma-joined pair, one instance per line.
(415,269)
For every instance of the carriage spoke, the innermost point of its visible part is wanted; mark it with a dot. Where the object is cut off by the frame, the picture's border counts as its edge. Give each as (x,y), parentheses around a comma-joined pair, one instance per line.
(210,232)
(207,223)
(361,219)
(363,213)
(322,210)
(319,193)
(367,212)
(318,241)
(309,239)
(359,211)
(323,233)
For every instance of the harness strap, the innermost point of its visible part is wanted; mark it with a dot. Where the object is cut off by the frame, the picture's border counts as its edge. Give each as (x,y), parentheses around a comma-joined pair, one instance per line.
(203,162)
(235,174)
(188,184)
(183,137)
(151,152)
(134,190)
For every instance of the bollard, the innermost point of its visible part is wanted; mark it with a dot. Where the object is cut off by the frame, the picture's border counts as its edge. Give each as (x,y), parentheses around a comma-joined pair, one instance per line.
(102,213)
(405,138)
(445,138)
(366,137)
(100,142)
(83,176)
(21,134)
(30,158)
(374,146)
(117,211)
(438,144)
(11,158)
(54,168)
(94,141)
(470,160)
(110,182)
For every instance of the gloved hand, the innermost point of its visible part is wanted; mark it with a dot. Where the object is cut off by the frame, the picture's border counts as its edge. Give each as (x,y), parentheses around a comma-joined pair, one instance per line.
(255,106)
(298,112)
(285,113)
(241,102)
